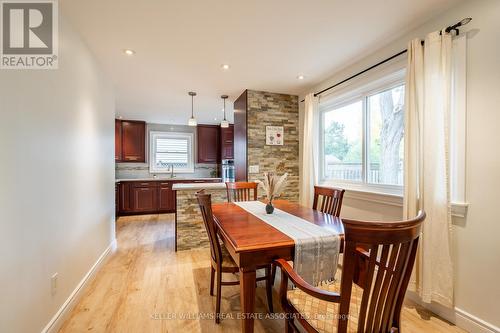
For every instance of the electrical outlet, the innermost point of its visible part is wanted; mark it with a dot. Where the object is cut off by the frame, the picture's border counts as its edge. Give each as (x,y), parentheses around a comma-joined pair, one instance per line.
(253,169)
(53,284)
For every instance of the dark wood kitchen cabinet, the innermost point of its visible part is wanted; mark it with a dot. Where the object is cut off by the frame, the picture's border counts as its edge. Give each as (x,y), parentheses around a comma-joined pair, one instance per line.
(150,197)
(117,198)
(130,141)
(166,197)
(118,140)
(144,197)
(227,142)
(208,143)
(124,206)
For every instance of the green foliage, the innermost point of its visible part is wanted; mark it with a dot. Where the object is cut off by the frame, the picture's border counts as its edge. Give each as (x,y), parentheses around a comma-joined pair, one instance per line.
(336,143)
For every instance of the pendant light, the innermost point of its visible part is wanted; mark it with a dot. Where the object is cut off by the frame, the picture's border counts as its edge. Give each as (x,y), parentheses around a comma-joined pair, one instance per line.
(192,120)
(224,123)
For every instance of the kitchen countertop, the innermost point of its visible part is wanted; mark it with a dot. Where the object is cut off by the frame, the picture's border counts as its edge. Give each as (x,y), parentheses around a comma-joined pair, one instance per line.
(161,179)
(199,186)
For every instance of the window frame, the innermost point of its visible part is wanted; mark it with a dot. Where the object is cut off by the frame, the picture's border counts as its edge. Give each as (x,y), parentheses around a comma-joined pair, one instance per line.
(153,135)
(360,92)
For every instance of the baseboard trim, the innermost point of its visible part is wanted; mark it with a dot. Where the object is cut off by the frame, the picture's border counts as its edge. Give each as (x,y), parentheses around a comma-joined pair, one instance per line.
(61,315)
(457,316)
(472,323)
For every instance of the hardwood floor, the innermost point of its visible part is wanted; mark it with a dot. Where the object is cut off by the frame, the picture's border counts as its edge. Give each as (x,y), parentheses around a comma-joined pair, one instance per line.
(146,287)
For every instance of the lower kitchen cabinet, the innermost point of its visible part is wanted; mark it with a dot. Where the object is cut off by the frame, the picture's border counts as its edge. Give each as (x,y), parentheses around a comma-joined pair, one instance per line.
(124,198)
(144,198)
(148,197)
(166,197)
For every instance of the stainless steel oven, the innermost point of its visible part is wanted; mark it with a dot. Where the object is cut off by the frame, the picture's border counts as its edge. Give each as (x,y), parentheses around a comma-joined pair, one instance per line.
(228,174)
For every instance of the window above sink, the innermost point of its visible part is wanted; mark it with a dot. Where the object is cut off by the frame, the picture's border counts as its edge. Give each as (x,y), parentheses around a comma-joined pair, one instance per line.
(169,149)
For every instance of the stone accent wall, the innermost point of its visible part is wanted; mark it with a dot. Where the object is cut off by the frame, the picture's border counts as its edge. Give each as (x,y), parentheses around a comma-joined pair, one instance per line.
(270,109)
(191,233)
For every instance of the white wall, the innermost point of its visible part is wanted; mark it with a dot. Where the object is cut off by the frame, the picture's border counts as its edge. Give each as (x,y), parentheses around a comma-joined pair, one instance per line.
(57,182)
(476,244)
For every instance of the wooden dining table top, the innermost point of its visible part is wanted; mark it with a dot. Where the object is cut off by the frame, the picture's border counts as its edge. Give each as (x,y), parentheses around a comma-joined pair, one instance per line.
(247,232)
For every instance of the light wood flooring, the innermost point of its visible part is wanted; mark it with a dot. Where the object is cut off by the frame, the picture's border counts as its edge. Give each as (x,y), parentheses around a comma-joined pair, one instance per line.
(146,287)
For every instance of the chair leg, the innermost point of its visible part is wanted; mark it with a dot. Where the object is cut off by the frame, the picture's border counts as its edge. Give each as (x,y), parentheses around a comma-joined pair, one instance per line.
(219,296)
(212,275)
(269,288)
(288,326)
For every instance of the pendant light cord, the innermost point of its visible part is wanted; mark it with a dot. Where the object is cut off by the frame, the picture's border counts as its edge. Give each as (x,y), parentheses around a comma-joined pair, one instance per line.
(192,108)
(224,109)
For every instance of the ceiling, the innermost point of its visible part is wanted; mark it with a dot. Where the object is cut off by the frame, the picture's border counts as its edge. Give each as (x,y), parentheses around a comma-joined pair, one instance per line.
(181,45)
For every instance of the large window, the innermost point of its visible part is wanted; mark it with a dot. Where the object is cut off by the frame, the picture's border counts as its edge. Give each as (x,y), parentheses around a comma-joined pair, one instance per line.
(171,149)
(362,136)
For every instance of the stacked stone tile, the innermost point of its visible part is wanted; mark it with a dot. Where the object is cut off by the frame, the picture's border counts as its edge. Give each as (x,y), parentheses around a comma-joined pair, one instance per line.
(271,109)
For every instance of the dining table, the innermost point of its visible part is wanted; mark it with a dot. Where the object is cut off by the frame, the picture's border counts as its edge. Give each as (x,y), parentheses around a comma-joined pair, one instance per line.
(253,243)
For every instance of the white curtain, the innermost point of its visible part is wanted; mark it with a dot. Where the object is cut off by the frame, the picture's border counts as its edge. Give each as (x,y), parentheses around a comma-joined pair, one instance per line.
(427,185)
(309,145)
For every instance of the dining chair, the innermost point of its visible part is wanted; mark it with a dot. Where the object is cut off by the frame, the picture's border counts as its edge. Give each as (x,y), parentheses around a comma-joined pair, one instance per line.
(241,191)
(328,200)
(221,260)
(378,261)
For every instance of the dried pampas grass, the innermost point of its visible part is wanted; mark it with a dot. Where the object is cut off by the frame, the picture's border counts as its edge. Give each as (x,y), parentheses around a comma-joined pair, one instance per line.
(273,184)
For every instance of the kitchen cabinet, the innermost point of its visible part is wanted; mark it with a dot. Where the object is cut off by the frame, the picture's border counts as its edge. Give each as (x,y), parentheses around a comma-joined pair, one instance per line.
(150,197)
(117,198)
(124,198)
(130,141)
(208,143)
(227,142)
(166,197)
(118,140)
(144,197)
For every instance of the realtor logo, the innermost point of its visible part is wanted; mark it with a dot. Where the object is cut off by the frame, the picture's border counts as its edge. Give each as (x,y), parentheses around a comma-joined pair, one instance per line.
(29,35)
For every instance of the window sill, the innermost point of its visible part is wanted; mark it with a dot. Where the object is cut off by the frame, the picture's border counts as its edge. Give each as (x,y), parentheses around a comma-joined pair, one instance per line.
(391,199)
(458,209)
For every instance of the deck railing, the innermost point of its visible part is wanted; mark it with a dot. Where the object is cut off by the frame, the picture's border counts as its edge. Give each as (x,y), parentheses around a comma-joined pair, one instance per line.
(354,172)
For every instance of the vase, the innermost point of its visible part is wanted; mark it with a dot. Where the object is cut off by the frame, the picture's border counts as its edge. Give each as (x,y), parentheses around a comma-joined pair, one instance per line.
(269,207)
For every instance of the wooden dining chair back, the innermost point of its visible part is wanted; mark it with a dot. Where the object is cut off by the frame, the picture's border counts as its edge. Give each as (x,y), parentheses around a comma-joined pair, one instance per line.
(241,191)
(205,203)
(222,261)
(379,257)
(376,269)
(328,200)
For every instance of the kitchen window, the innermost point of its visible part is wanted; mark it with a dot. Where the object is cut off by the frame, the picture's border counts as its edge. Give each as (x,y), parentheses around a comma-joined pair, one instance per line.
(361,137)
(169,149)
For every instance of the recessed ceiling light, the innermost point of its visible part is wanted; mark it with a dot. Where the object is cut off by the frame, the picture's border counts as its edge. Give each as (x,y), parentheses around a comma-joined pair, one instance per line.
(301,77)
(225,67)
(129,52)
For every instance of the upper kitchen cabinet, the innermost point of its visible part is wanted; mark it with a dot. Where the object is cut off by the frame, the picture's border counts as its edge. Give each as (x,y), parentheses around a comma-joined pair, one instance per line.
(227,142)
(118,140)
(208,143)
(130,144)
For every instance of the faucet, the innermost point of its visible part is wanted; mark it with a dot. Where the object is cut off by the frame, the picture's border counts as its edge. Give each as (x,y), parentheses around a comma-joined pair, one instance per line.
(172,171)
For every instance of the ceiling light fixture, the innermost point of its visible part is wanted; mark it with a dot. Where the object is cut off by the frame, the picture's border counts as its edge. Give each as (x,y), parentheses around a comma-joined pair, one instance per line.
(192,121)
(301,77)
(224,123)
(225,67)
(129,52)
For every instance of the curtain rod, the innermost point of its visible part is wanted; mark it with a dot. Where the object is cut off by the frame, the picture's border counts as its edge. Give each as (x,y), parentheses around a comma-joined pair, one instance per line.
(448,29)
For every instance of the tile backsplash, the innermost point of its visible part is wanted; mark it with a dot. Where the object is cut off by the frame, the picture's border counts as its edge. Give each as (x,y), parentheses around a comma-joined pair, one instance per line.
(141,170)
